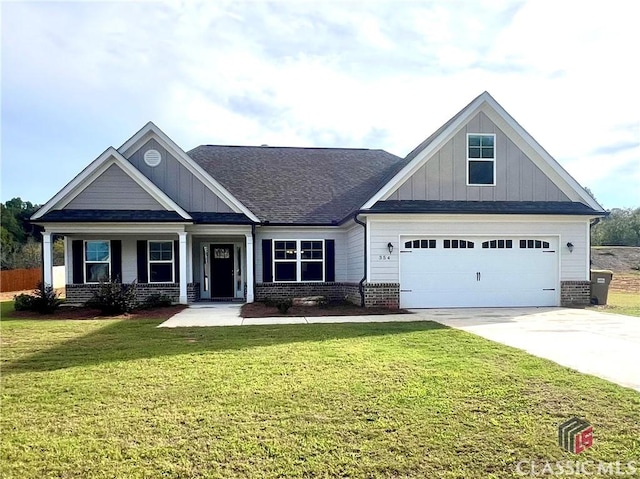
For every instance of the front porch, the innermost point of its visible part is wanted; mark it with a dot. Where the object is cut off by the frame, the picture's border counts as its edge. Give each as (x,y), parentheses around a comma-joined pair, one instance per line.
(188,263)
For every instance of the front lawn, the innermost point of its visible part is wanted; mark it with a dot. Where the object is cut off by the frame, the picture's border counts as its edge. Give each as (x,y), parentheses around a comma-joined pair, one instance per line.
(122,398)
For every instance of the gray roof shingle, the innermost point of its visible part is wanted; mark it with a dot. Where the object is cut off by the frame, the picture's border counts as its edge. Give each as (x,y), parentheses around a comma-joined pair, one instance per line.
(286,185)
(485,207)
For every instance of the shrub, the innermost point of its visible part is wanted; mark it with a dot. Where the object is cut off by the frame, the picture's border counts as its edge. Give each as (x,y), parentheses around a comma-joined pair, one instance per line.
(23,302)
(43,300)
(284,305)
(113,297)
(157,301)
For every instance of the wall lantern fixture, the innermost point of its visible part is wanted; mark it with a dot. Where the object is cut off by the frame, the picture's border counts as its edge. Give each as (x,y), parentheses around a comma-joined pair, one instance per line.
(570,246)
(390,247)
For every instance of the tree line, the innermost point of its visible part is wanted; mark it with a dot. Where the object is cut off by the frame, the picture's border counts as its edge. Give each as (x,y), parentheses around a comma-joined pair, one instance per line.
(22,240)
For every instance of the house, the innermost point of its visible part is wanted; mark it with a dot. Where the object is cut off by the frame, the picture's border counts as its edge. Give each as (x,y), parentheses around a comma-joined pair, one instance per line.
(478,214)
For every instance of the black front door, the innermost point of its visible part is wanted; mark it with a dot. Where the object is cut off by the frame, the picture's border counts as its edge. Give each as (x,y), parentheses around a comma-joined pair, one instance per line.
(222,271)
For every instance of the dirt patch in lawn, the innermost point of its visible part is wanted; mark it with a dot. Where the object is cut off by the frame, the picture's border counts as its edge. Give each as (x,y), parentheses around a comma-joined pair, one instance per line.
(89,313)
(619,259)
(261,310)
(8,296)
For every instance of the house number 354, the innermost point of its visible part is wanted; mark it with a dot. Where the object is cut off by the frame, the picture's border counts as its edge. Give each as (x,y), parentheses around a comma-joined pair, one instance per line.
(384,257)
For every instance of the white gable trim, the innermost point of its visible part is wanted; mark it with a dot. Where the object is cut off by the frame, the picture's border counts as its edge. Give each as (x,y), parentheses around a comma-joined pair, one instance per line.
(150,130)
(485,103)
(94,170)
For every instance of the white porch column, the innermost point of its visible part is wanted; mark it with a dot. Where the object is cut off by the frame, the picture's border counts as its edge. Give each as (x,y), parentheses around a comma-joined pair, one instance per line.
(47,259)
(249,267)
(190,256)
(182,251)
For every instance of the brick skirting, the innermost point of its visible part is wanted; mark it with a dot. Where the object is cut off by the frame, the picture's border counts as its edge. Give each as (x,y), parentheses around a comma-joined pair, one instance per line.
(332,291)
(81,293)
(382,295)
(575,293)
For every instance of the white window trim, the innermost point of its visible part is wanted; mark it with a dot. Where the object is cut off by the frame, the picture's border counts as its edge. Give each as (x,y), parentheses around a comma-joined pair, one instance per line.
(298,260)
(172,262)
(85,261)
(493,160)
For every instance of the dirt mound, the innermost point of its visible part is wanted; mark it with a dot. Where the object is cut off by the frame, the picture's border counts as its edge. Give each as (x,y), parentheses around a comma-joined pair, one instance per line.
(619,259)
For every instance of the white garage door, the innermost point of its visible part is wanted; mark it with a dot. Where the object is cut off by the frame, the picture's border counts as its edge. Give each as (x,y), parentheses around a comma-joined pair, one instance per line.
(441,272)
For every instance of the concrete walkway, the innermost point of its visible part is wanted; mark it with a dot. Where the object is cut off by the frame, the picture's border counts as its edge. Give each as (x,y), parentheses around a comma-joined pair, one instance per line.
(602,344)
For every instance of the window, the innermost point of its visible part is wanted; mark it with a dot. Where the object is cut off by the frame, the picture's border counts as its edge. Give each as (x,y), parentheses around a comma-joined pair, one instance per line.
(481,160)
(160,261)
(298,260)
(97,261)
(458,244)
(536,244)
(422,244)
(498,244)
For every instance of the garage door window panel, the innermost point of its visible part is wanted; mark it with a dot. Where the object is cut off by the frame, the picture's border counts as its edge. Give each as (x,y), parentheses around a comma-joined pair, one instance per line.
(420,244)
(498,244)
(533,244)
(458,244)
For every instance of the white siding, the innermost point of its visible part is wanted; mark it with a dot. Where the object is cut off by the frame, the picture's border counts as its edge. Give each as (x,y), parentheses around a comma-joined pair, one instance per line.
(305,233)
(573,266)
(355,254)
(129,252)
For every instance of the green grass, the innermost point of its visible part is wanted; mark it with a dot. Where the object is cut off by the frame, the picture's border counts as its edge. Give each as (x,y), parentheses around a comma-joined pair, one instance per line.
(107,398)
(623,303)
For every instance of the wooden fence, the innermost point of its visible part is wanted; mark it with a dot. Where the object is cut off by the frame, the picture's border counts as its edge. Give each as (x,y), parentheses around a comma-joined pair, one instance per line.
(19,279)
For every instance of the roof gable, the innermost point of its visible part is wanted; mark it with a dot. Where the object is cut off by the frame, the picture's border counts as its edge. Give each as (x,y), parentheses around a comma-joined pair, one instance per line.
(151,132)
(91,173)
(487,106)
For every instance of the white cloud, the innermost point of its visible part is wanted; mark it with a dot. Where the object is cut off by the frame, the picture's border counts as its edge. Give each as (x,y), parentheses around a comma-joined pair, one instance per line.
(325,74)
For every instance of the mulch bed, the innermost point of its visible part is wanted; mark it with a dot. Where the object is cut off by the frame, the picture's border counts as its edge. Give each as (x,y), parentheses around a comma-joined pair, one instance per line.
(89,313)
(260,310)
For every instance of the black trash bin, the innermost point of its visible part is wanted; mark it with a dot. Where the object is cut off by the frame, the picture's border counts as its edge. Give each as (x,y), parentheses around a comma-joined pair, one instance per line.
(600,281)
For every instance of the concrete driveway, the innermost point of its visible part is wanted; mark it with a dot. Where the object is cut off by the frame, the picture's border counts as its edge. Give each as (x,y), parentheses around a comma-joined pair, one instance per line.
(602,344)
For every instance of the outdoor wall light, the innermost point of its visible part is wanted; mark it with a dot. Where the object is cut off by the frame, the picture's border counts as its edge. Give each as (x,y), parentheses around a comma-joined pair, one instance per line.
(390,247)
(570,246)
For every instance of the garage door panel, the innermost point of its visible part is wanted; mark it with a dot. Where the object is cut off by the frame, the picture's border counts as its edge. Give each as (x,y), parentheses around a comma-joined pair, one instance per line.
(502,275)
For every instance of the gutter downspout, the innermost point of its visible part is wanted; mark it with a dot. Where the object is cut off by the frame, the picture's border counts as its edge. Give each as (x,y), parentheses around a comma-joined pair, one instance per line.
(364,278)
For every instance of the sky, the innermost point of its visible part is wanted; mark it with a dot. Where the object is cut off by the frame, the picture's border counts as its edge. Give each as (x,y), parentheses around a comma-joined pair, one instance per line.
(78,77)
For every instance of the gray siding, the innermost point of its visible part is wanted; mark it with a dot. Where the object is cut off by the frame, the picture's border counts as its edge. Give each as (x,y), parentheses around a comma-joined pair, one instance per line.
(444,176)
(114,190)
(177,182)
(355,254)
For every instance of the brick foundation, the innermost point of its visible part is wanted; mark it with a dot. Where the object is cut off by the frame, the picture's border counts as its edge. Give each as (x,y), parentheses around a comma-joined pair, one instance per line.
(332,291)
(193,292)
(81,293)
(575,293)
(385,295)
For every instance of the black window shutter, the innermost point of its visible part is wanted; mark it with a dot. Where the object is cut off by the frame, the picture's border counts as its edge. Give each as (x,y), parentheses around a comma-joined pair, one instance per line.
(267,259)
(330,260)
(176,261)
(116,260)
(77,254)
(143,276)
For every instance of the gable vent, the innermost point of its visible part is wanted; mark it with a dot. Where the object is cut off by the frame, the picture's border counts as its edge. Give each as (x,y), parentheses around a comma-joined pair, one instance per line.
(152,157)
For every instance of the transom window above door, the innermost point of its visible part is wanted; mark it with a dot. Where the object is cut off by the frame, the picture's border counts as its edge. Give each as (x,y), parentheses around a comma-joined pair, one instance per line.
(481,159)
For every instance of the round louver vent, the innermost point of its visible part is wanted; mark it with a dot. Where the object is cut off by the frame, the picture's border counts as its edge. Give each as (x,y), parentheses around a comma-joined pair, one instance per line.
(152,157)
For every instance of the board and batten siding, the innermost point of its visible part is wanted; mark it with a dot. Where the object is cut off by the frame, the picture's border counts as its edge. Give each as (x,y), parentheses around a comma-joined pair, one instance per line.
(305,234)
(444,175)
(355,254)
(114,190)
(573,266)
(177,182)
